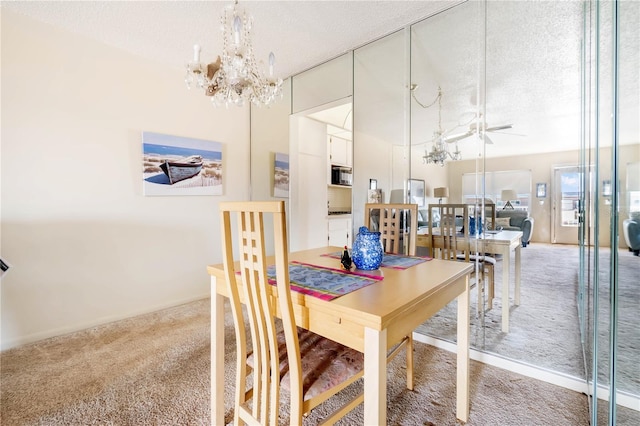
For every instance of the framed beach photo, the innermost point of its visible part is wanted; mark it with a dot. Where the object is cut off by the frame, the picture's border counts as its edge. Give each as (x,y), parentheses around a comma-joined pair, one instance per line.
(541,190)
(281,175)
(176,165)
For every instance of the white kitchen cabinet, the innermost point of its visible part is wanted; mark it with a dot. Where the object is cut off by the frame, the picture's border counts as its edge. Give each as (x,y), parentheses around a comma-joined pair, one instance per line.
(341,151)
(340,231)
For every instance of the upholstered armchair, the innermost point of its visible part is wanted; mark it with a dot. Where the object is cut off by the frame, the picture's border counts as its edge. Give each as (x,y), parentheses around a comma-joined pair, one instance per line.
(515,220)
(631,229)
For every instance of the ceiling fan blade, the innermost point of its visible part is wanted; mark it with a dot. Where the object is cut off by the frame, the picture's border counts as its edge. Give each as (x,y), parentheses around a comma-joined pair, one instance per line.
(458,137)
(503,127)
(487,139)
(512,134)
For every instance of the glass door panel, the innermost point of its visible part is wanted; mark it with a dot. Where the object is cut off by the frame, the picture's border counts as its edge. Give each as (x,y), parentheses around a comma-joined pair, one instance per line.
(612,341)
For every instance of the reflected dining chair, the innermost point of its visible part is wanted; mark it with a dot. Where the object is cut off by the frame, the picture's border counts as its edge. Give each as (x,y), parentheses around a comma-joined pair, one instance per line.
(455,245)
(397,224)
(283,356)
(391,221)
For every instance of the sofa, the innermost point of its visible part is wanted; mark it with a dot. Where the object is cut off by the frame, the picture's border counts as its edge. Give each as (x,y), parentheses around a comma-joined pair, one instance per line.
(515,220)
(631,228)
(423,218)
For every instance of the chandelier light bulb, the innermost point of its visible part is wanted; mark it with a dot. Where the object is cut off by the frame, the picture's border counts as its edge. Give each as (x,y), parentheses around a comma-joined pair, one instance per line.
(272,61)
(237,27)
(196,53)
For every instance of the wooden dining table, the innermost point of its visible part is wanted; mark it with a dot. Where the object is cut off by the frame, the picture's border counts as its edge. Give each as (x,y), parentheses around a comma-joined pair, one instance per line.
(500,242)
(371,320)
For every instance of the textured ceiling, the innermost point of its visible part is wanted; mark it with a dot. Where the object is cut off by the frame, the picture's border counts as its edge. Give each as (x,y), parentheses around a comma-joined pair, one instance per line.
(302,34)
(533,70)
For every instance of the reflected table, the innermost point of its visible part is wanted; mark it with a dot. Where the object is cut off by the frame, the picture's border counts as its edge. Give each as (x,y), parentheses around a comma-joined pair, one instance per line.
(503,243)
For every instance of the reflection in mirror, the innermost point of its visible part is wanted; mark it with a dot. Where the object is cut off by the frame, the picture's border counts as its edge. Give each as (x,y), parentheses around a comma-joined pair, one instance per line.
(536,88)
(530,95)
(628,179)
(612,312)
(318,96)
(380,139)
(269,136)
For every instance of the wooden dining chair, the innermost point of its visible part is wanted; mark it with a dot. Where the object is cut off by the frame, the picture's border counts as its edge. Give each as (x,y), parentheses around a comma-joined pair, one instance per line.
(398,227)
(397,224)
(282,356)
(455,245)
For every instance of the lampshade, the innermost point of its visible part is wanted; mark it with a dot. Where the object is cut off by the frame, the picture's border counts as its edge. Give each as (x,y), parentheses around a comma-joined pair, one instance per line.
(441,192)
(396,196)
(508,195)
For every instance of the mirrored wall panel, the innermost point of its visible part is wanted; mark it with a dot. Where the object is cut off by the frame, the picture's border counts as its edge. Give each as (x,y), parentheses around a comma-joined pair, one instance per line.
(612,336)
(381,141)
(505,108)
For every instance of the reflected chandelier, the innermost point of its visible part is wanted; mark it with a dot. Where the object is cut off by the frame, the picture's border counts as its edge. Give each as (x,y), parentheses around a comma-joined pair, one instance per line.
(440,149)
(234,77)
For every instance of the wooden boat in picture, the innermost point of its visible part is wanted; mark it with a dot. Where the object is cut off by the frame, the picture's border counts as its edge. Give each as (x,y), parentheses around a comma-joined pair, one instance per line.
(182,169)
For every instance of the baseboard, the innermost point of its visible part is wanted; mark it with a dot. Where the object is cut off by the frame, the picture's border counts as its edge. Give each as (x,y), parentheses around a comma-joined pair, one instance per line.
(23,340)
(623,399)
(555,378)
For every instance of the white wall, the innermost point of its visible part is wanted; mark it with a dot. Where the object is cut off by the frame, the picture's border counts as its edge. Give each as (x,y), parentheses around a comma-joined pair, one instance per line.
(85,244)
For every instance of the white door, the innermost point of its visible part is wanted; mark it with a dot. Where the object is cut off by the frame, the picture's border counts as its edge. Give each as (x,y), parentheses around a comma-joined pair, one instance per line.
(308,187)
(566,199)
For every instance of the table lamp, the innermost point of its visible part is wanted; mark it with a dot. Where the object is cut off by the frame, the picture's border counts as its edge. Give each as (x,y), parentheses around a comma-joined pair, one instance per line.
(441,192)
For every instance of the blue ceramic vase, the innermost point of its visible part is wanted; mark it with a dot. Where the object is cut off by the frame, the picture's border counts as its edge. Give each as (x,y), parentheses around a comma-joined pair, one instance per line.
(472,226)
(366,252)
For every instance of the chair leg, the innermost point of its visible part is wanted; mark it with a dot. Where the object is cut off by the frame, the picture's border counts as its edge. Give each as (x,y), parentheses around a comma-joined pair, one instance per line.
(343,410)
(410,361)
(492,287)
(406,342)
(480,289)
(488,270)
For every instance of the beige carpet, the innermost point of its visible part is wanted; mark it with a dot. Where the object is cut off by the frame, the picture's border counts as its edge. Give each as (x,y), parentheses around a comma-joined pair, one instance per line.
(544,329)
(155,370)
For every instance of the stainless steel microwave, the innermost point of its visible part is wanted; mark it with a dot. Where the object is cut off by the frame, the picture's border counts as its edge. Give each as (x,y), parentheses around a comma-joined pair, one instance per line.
(341,175)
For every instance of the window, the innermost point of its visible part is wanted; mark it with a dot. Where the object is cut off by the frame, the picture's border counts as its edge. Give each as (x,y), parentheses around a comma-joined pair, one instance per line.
(494,183)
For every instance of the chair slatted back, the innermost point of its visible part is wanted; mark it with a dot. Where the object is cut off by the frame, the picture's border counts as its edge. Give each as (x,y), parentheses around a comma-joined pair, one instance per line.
(454,244)
(488,213)
(392,219)
(262,301)
(454,240)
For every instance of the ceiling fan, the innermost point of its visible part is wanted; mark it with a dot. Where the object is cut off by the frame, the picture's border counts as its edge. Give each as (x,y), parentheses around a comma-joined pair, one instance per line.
(480,129)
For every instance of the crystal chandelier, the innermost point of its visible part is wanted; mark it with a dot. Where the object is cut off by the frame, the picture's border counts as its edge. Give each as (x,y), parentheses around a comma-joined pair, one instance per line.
(440,147)
(234,77)
(440,151)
